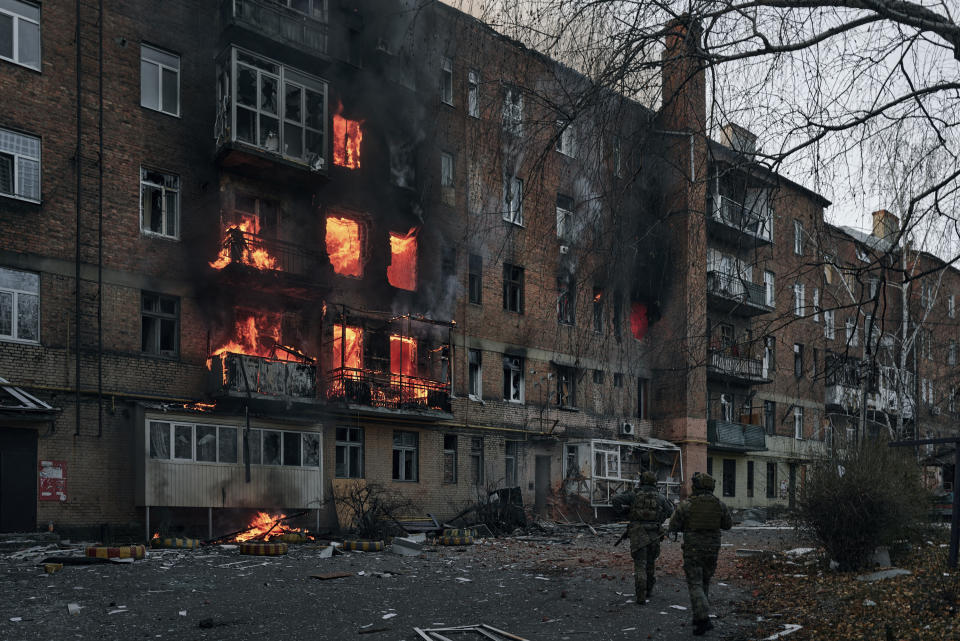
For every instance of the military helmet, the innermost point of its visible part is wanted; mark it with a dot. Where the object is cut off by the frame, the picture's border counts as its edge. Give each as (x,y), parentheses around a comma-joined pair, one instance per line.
(703,481)
(648,478)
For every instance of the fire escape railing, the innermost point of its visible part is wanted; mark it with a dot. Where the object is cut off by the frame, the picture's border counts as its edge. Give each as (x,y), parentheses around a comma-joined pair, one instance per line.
(279,255)
(392,391)
(277,21)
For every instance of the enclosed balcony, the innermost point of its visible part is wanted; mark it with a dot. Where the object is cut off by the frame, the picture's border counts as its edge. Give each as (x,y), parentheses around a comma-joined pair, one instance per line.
(735,295)
(299,24)
(237,374)
(728,365)
(735,437)
(740,223)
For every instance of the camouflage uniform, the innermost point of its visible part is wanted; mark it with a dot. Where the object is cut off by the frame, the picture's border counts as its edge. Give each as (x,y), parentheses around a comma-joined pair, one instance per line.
(700,518)
(648,511)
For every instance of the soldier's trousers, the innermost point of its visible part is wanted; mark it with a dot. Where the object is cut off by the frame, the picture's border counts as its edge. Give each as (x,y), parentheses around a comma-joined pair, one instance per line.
(644,568)
(699,566)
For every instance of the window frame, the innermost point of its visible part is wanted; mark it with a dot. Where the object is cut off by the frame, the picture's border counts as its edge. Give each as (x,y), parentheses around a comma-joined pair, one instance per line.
(797,237)
(473,93)
(475,279)
(513,111)
(513,286)
(769,288)
(449,460)
(770,417)
(565,209)
(446,80)
(566,143)
(566,389)
(798,360)
(15,295)
(476,458)
(218,428)
(17,161)
(643,398)
(829,328)
(475,374)
(566,301)
(144,229)
(729,477)
(513,200)
(799,299)
(399,472)
(161,66)
(447,168)
(159,316)
(513,378)
(771,489)
(348,446)
(511,455)
(16,19)
(798,422)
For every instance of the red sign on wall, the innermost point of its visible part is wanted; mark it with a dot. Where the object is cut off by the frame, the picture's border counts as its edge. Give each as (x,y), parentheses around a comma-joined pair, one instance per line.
(53,480)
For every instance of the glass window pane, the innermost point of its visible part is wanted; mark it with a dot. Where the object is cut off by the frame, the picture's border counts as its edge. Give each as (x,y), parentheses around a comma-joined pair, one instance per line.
(397,454)
(292,140)
(168,305)
(171,92)
(268,94)
(356,462)
(29,44)
(206,443)
(168,336)
(28,317)
(156,55)
(341,462)
(171,212)
(6,174)
(183,441)
(6,314)
(291,448)
(292,107)
(311,450)
(22,281)
(148,335)
(159,440)
(254,444)
(269,134)
(246,125)
(227,446)
(247,86)
(149,85)
(6,36)
(271,448)
(150,303)
(315,116)
(342,433)
(314,143)
(28,182)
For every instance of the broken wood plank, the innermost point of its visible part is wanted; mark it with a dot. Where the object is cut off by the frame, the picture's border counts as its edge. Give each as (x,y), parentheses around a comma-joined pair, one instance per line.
(331,575)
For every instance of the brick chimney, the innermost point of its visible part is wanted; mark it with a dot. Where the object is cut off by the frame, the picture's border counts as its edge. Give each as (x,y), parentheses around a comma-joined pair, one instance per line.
(740,139)
(885,224)
(683,78)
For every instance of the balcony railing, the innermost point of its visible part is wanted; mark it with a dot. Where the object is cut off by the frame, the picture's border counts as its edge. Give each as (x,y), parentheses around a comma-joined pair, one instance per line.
(743,219)
(277,22)
(244,248)
(741,292)
(728,365)
(239,373)
(391,391)
(738,437)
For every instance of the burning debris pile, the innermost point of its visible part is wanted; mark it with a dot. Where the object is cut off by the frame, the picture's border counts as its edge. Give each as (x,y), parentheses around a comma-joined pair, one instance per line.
(268,527)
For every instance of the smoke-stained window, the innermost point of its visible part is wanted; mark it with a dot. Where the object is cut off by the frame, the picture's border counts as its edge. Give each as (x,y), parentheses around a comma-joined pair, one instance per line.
(19,305)
(564,217)
(446,80)
(475,372)
(513,288)
(159,324)
(513,200)
(475,279)
(513,379)
(159,203)
(473,94)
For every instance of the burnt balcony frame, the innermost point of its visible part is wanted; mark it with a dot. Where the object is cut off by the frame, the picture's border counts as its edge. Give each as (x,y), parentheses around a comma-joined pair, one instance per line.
(733,221)
(388,391)
(234,374)
(729,436)
(290,258)
(733,294)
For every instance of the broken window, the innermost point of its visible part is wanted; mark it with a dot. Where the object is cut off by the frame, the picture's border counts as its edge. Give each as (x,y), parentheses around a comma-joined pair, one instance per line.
(513,200)
(475,279)
(566,143)
(226,444)
(402,270)
(513,288)
(19,305)
(347,136)
(564,217)
(256,215)
(565,301)
(160,324)
(20,33)
(344,242)
(566,386)
(159,80)
(19,164)
(638,320)
(271,447)
(729,477)
(291,448)
(159,203)
(571,461)
(473,94)
(750,478)
(513,379)
(770,417)
(617,379)
(446,80)
(598,377)
(349,461)
(513,111)
(449,458)
(510,455)
(598,310)
(255,442)
(347,349)
(475,374)
(405,446)
(476,458)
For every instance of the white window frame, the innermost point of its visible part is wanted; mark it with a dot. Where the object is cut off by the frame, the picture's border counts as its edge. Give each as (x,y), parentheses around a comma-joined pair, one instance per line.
(798,238)
(851,332)
(475,374)
(829,331)
(15,294)
(446,170)
(566,142)
(218,427)
(952,352)
(144,228)
(816,304)
(511,452)
(403,449)
(514,370)
(513,111)
(473,93)
(799,307)
(951,306)
(19,147)
(798,422)
(446,80)
(769,288)
(17,19)
(513,200)
(564,220)
(160,60)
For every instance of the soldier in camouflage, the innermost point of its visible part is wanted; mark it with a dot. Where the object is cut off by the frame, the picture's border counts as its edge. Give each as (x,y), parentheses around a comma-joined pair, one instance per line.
(700,518)
(647,512)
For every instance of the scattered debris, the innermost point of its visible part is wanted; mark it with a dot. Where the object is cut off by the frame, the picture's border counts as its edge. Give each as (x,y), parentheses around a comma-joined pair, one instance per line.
(679,607)
(481,630)
(869,603)
(73,608)
(883,574)
(788,628)
(331,575)
(389,615)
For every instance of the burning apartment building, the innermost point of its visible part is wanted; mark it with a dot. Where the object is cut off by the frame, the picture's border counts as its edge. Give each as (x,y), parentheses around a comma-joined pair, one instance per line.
(322,244)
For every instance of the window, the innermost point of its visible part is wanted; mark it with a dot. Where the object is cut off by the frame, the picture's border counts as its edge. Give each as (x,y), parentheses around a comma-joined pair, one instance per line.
(446,80)
(405,456)
(874,287)
(272,447)
(952,353)
(159,203)
(770,417)
(566,386)
(19,163)
(851,332)
(926,344)
(565,301)
(261,212)
(513,111)
(511,450)
(828,328)
(598,377)
(815,363)
(200,443)
(475,279)
(798,422)
(473,93)
(475,374)
(729,477)
(798,360)
(771,480)
(618,380)
(597,310)
(513,200)
(952,400)
(20,33)
(816,305)
(513,288)
(446,170)
(159,80)
(749,479)
(643,398)
(798,238)
(768,289)
(798,299)
(769,356)
(349,453)
(564,217)
(159,324)
(476,459)
(513,379)
(710,465)
(951,306)
(571,461)
(449,458)
(19,305)
(617,157)
(926,295)
(566,144)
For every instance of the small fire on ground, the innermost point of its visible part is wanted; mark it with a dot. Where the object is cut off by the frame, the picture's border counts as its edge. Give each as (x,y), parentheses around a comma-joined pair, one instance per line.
(268,527)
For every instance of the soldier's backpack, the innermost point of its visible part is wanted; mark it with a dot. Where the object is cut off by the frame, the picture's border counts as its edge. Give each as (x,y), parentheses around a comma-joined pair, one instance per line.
(705,512)
(645,507)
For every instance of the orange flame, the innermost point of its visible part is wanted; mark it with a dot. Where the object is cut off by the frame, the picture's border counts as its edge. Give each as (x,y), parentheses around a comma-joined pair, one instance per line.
(237,241)
(402,271)
(156,535)
(263,523)
(343,246)
(350,354)
(255,334)
(347,136)
(403,367)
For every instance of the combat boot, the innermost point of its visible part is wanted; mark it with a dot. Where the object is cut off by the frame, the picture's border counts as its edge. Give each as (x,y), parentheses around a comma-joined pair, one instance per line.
(701,627)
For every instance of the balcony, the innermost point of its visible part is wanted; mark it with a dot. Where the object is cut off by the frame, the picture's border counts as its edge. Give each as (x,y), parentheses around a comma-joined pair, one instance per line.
(735,437)
(725,366)
(735,295)
(845,397)
(734,222)
(279,23)
(386,391)
(265,254)
(237,374)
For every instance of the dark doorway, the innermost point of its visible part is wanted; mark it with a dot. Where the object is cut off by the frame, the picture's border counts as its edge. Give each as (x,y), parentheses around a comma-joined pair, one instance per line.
(542,486)
(18,480)
(793,486)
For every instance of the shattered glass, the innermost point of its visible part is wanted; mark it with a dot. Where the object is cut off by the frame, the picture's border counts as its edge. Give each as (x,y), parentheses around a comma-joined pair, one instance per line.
(227,445)
(271,448)
(311,450)
(28,317)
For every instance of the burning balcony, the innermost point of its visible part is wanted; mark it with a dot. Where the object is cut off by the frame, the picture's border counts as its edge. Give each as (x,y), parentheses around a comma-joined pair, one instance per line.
(734,220)
(735,437)
(241,247)
(729,365)
(301,24)
(730,293)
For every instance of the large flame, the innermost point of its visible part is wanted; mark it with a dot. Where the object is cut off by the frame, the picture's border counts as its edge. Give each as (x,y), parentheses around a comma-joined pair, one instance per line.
(267,526)
(343,246)
(403,355)
(347,136)
(402,271)
(255,334)
(241,245)
(350,353)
